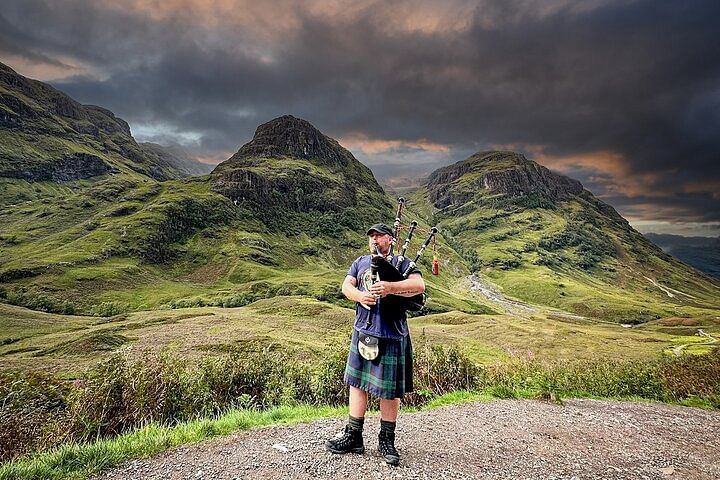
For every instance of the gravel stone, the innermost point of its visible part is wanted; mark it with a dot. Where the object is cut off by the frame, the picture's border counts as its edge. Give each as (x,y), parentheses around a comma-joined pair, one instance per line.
(519,439)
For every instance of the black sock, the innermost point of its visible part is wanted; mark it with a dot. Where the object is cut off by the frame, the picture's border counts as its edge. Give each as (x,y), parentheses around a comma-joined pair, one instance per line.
(387,427)
(356,423)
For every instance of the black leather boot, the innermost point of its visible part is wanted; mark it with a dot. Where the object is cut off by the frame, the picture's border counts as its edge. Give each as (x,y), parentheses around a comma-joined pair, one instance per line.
(386,447)
(350,442)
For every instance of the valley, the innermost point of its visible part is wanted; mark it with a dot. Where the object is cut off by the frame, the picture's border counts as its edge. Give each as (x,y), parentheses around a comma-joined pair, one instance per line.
(148,250)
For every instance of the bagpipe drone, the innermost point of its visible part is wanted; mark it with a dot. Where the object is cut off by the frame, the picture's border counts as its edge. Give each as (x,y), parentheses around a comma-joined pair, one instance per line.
(383,270)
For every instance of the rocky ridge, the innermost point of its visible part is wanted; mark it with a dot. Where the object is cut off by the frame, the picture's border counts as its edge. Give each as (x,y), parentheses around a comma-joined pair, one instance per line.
(498,172)
(288,136)
(72,166)
(25,100)
(175,157)
(48,136)
(291,164)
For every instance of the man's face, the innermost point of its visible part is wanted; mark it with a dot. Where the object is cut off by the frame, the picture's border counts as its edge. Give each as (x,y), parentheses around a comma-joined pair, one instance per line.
(382,240)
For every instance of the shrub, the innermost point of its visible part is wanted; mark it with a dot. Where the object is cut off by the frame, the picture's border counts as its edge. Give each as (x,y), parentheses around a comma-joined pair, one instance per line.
(328,385)
(330,293)
(237,301)
(38,301)
(120,394)
(10,239)
(33,411)
(692,376)
(504,263)
(439,370)
(128,390)
(109,309)
(177,221)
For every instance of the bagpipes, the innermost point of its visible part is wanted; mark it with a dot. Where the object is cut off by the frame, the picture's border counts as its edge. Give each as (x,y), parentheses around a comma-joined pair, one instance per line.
(383,270)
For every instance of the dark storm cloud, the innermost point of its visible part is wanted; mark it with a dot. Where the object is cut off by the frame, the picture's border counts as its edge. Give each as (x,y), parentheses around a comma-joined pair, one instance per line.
(638,80)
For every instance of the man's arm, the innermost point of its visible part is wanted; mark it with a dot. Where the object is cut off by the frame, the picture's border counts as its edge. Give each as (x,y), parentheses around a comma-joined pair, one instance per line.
(351,292)
(409,287)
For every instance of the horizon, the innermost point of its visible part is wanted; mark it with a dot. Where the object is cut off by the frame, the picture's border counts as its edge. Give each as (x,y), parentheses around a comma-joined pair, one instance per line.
(619,95)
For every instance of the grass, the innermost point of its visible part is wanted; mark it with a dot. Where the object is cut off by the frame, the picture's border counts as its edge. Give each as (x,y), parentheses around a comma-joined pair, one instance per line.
(509,372)
(139,244)
(191,332)
(66,344)
(79,461)
(93,255)
(84,460)
(155,371)
(534,254)
(160,265)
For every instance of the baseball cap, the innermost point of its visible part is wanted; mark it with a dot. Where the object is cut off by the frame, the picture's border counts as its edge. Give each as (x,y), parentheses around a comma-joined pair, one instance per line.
(380,228)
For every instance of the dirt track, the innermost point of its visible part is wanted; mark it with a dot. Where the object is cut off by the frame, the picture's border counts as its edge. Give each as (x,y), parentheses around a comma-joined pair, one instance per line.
(515,439)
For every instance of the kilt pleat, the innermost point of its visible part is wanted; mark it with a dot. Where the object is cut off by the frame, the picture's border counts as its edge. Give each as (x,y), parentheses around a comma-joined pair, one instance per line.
(387,376)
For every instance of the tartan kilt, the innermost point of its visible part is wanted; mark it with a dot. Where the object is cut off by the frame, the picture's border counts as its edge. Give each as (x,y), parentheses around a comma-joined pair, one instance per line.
(389,376)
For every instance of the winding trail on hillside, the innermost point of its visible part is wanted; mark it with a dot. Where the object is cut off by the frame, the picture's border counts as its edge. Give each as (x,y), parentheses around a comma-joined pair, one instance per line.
(678,350)
(667,290)
(492,293)
(519,439)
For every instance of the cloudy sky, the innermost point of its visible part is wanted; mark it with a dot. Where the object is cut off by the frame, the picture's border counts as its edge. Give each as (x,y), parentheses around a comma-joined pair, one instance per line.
(622,95)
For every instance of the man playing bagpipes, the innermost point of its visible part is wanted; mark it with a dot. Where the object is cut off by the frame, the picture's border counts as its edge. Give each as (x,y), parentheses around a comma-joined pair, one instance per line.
(384,286)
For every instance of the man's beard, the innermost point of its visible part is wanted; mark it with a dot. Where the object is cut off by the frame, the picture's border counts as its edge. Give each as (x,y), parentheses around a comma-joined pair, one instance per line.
(374,248)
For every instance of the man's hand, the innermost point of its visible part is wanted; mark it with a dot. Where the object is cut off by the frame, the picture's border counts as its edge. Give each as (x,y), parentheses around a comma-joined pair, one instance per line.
(381,288)
(367,298)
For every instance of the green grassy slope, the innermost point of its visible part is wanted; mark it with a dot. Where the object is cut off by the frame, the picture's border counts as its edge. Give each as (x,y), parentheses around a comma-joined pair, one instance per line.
(146,245)
(124,243)
(572,253)
(286,215)
(65,344)
(255,228)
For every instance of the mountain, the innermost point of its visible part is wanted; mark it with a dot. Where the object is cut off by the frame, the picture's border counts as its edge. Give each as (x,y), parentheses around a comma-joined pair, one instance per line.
(93,222)
(298,179)
(546,240)
(47,136)
(504,173)
(702,253)
(175,157)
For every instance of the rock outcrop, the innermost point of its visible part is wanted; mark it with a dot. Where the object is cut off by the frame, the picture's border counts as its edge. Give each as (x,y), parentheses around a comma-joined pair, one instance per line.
(299,190)
(290,164)
(288,136)
(73,166)
(491,173)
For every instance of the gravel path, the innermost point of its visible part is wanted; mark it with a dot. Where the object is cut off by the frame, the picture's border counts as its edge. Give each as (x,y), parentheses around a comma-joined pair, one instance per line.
(484,287)
(513,439)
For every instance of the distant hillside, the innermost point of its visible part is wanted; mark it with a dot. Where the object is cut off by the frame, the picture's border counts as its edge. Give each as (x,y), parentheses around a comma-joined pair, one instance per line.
(546,240)
(175,157)
(47,136)
(702,253)
(285,215)
(93,222)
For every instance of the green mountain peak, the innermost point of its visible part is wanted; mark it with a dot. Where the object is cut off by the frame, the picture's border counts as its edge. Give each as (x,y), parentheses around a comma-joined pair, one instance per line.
(289,136)
(286,214)
(498,172)
(45,135)
(291,166)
